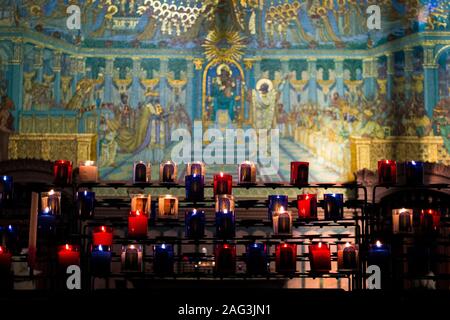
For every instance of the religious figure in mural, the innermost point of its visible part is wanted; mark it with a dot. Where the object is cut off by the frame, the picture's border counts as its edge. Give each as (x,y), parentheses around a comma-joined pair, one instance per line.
(224,92)
(263,101)
(6,125)
(83,93)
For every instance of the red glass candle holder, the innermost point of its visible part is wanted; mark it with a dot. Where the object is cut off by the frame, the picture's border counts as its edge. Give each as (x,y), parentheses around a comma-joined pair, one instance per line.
(223,184)
(5,261)
(102,235)
(137,225)
(68,255)
(319,258)
(286,258)
(387,172)
(299,173)
(430,221)
(307,206)
(347,257)
(225,258)
(62,172)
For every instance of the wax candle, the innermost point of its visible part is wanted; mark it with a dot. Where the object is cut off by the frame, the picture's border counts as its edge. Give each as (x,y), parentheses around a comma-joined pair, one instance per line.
(225,224)
(195,224)
(163,259)
(275,203)
(168,172)
(307,206)
(137,224)
(131,258)
(319,257)
(102,235)
(286,258)
(379,255)
(387,172)
(282,222)
(141,203)
(142,172)
(247,173)
(46,223)
(347,257)
(256,258)
(52,201)
(6,190)
(402,220)
(9,237)
(414,172)
(88,172)
(225,202)
(299,173)
(101,261)
(85,204)
(195,186)
(62,172)
(68,255)
(223,184)
(5,261)
(225,258)
(334,206)
(430,221)
(196,167)
(168,207)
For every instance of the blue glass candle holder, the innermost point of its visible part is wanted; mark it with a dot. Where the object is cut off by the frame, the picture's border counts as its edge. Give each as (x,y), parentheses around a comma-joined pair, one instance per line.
(85,204)
(334,206)
(380,255)
(414,172)
(163,259)
(9,236)
(195,224)
(256,258)
(225,224)
(101,261)
(195,186)
(275,204)
(46,223)
(6,190)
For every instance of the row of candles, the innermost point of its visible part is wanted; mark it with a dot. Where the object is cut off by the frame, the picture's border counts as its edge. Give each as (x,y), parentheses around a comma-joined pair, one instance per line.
(141,211)
(404,221)
(168,173)
(256,257)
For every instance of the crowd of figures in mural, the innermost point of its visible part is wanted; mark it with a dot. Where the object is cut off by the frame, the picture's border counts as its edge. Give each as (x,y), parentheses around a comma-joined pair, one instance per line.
(139,69)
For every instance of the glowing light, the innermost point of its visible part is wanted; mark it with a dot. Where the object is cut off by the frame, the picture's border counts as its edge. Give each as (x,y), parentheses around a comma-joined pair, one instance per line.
(5,178)
(68,248)
(347,245)
(52,192)
(103,229)
(100,248)
(320,245)
(221,174)
(163,246)
(378,244)
(194,211)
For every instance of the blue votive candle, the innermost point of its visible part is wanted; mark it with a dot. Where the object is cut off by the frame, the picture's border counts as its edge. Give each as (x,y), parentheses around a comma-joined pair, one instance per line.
(275,204)
(6,190)
(163,259)
(195,186)
(256,258)
(334,206)
(195,224)
(414,172)
(101,261)
(9,237)
(225,224)
(46,223)
(85,204)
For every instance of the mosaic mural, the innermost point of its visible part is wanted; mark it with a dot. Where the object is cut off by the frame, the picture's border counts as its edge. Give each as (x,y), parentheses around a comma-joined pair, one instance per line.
(138,70)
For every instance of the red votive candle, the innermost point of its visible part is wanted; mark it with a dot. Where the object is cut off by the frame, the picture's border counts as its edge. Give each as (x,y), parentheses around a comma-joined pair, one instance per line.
(68,255)
(223,184)
(5,261)
(102,236)
(286,258)
(299,173)
(430,220)
(319,257)
(307,206)
(225,258)
(387,172)
(62,172)
(137,224)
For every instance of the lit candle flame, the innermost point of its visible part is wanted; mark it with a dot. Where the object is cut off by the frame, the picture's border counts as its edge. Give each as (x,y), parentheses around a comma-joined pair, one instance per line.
(51,192)
(103,229)
(163,246)
(413,163)
(194,211)
(100,248)
(320,244)
(347,245)
(225,211)
(1,249)
(378,244)
(221,174)
(89,163)
(5,178)
(68,247)
(132,247)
